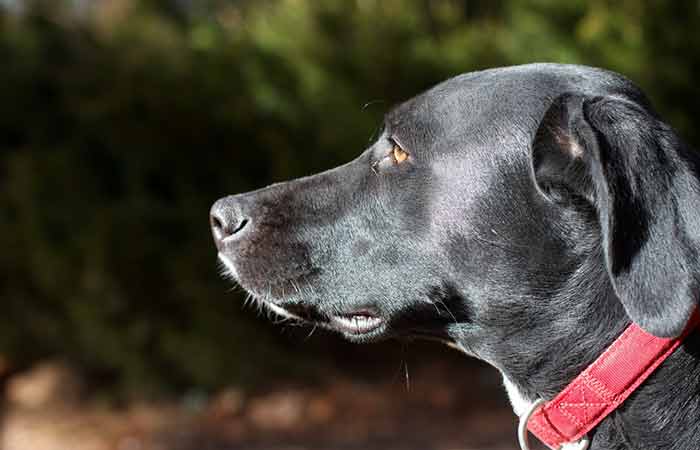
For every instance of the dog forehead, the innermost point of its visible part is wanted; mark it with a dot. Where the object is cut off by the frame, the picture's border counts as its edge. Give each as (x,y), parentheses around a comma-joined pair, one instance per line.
(497,106)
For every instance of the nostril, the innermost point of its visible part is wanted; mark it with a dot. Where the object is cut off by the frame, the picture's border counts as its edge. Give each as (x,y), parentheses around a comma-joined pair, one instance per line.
(226,225)
(227,219)
(216,223)
(240,226)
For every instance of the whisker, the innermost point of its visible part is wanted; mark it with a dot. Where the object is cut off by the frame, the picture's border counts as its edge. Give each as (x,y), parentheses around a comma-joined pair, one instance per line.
(407,378)
(295,286)
(372,102)
(311,332)
(437,309)
(448,311)
(404,365)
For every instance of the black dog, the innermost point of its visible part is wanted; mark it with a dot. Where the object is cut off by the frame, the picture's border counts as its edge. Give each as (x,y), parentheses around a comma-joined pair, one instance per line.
(525,215)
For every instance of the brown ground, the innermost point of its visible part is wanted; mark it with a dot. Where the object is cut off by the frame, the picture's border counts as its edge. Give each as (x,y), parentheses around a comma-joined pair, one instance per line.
(442,410)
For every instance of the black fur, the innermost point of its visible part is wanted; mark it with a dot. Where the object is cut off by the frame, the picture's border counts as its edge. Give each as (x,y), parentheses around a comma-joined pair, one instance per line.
(542,208)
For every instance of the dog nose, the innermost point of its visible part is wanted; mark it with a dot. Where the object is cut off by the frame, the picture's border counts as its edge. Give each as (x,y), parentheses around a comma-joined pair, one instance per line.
(227,220)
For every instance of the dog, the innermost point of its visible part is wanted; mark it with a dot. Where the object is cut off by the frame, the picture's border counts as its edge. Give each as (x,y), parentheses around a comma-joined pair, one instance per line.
(526,215)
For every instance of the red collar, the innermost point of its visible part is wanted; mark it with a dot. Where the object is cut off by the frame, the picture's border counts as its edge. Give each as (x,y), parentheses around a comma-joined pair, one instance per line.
(603,386)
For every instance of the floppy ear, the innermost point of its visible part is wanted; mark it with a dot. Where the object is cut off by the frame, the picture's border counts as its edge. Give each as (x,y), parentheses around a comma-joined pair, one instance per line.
(644,184)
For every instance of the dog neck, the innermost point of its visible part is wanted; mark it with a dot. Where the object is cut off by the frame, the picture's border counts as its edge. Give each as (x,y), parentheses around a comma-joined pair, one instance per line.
(662,413)
(665,407)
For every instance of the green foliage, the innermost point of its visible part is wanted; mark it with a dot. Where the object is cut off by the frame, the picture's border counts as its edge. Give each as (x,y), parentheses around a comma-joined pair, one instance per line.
(121,122)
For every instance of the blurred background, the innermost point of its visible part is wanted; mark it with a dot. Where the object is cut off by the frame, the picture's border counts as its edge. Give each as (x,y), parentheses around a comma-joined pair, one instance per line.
(121,121)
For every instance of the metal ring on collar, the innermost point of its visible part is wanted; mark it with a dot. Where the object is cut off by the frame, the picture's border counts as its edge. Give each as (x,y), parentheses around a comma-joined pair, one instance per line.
(524,437)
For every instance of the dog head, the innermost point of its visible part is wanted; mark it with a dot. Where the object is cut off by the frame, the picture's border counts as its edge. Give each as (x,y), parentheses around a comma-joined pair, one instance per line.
(509,211)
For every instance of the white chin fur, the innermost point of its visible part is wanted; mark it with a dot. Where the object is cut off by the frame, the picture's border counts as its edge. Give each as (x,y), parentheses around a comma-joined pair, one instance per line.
(522,405)
(518,401)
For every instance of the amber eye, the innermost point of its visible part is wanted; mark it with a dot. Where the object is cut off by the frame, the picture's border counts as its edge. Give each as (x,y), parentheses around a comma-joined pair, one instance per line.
(398,154)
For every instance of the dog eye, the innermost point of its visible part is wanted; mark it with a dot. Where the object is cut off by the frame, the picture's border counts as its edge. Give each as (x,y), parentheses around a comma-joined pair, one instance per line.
(398,154)
(395,156)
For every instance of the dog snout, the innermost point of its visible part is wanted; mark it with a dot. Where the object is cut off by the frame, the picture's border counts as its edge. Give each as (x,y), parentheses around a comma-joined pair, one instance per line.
(228,221)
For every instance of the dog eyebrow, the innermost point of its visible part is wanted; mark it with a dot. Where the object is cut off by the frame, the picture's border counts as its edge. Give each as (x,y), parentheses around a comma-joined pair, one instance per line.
(393,118)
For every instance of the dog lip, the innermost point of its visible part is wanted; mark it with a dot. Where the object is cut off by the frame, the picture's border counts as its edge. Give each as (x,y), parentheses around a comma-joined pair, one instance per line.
(282,312)
(228,264)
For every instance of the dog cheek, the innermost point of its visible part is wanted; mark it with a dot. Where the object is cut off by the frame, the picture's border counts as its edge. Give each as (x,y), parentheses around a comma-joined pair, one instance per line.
(389,256)
(360,248)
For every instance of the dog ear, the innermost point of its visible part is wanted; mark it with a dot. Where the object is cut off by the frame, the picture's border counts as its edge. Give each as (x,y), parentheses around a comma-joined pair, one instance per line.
(643,182)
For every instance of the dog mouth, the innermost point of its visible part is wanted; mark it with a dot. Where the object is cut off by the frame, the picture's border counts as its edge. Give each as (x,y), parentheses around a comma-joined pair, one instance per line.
(363,322)
(360,324)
